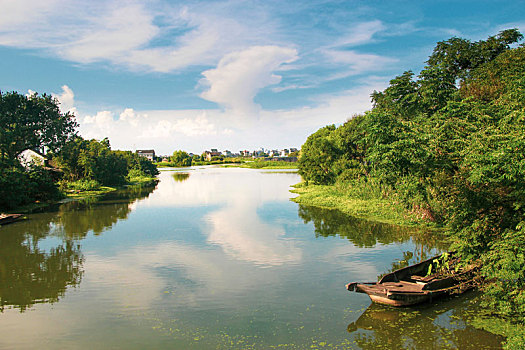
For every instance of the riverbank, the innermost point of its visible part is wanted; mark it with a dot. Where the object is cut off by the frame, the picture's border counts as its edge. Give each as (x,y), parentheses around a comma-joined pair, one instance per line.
(263,165)
(140,181)
(369,204)
(236,163)
(351,201)
(84,192)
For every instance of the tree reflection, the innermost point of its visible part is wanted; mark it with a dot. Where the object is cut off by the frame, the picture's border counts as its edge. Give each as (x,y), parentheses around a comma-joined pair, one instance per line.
(75,219)
(180,177)
(435,326)
(30,274)
(367,234)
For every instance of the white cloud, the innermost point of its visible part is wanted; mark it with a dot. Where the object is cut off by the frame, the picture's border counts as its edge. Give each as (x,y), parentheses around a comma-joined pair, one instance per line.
(100,125)
(240,75)
(66,99)
(119,30)
(356,63)
(193,127)
(131,117)
(197,130)
(361,33)
(157,37)
(138,129)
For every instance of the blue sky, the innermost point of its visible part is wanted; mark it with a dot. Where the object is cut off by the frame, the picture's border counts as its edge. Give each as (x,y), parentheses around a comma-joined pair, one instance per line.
(233,75)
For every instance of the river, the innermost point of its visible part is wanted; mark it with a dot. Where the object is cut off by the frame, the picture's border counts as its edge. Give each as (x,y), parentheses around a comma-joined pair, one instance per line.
(214,258)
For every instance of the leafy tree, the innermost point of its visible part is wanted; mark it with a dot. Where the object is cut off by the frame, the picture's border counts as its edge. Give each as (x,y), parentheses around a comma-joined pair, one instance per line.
(400,98)
(93,160)
(318,154)
(459,56)
(136,162)
(32,122)
(20,186)
(181,158)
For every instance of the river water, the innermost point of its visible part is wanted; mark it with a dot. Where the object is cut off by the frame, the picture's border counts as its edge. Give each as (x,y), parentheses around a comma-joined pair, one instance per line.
(214,258)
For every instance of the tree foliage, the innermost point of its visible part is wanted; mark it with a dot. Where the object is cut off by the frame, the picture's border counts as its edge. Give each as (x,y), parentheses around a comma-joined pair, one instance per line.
(35,122)
(32,122)
(94,160)
(181,158)
(451,143)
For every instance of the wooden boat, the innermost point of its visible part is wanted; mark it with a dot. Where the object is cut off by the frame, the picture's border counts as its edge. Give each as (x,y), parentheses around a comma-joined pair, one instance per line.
(9,218)
(413,285)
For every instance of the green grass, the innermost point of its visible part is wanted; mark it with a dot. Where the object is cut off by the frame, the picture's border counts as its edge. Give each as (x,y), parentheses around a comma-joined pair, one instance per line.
(265,164)
(142,180)
(89,193)
(355,201)
(90,188)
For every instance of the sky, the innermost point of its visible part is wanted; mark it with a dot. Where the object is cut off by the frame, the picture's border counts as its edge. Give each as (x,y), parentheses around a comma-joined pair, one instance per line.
(232,75)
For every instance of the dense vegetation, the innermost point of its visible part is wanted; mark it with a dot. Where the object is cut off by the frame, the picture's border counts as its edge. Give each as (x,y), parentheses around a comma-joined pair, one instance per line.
(29,122)
(448,146)
(93,163)
(35,122)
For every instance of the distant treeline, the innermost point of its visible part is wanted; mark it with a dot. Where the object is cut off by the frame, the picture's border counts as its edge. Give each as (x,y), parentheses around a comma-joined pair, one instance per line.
(448,145)
(184,159)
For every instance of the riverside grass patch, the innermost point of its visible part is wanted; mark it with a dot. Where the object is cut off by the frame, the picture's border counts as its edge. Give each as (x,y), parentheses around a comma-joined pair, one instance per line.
(332,197)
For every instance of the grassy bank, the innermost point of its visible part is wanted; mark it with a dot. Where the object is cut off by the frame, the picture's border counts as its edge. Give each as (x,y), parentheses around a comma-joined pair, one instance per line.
(266,164)
(365,202)
(91,188)
(235,163)
(198,163)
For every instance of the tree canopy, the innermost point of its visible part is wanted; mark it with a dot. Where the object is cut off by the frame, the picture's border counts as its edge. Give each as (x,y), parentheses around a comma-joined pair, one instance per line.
(32,122)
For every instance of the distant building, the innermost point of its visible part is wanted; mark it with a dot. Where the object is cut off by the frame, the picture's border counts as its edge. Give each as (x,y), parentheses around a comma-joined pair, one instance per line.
(273,153)
(149,153)
(284,152)
(210,154)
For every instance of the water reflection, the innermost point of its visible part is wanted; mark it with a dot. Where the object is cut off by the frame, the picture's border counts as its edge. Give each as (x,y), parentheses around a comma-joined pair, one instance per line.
(368,234)
(180,177)
(220,260)
(233,198)
(434,326)
(30,273)
(75,219)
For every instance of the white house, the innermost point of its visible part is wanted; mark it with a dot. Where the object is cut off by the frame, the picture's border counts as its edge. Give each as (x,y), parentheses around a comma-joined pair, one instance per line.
(30,157)
(148,153)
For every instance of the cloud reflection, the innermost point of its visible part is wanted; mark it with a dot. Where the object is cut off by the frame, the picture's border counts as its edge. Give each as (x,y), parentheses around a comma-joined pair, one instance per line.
(236,226)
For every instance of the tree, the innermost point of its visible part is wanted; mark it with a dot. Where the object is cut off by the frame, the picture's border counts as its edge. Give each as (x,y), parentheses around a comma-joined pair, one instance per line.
(32,122)
(400,97)
(459,56)
(92,159)
(318,154)
(181,158)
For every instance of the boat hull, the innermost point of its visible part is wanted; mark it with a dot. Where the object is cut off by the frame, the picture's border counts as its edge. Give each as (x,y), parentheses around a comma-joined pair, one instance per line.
(9,218)
(404,288)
